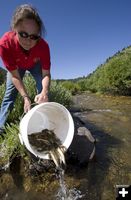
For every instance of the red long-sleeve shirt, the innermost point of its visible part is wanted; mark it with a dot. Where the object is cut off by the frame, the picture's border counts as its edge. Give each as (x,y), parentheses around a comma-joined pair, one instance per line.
(14,57)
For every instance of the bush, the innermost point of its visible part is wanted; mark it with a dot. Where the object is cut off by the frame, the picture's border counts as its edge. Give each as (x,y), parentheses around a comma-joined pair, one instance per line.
(11,146)
(71,86)
(59,94)
(2,76)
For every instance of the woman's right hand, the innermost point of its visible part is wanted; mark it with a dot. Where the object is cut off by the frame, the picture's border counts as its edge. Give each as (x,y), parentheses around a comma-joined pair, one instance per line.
(27,104)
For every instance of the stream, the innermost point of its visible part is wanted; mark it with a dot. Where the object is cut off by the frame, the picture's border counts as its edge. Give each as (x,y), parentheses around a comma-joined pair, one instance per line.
(109,120)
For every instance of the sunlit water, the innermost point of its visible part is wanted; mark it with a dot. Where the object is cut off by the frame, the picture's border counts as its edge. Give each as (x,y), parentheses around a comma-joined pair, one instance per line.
(64,193)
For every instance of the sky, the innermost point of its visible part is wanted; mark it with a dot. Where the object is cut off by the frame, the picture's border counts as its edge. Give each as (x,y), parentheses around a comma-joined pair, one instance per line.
(81,34)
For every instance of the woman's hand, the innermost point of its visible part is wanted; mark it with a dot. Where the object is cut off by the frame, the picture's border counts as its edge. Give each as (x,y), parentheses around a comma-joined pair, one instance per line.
(27,104)
(41,98)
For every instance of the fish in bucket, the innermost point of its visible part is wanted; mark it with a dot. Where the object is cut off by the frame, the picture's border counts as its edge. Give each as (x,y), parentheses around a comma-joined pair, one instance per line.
(47,131)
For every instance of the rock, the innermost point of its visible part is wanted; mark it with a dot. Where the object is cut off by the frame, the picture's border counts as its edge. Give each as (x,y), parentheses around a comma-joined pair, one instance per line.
(82,148)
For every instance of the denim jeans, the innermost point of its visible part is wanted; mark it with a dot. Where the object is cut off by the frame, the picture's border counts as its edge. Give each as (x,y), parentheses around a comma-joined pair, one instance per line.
(11,92)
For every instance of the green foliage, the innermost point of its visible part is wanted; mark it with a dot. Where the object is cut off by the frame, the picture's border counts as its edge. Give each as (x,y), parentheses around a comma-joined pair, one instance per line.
(83,85)
(74,86)
(2,76)
(18,106)
(71,86)
(59,94)
(10,147)
(114,76)
(2,91)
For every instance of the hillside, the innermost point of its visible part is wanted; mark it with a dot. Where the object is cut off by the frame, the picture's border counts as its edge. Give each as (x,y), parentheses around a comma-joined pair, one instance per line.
(114,76)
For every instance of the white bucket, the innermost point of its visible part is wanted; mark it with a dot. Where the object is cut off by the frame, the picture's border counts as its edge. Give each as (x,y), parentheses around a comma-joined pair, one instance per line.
(51,116)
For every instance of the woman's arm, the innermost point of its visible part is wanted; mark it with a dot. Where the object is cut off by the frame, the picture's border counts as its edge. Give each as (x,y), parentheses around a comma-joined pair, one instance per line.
(16,79)
(18,82)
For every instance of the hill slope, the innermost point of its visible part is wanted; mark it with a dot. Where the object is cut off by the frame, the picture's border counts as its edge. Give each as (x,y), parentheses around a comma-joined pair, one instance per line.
(114,76)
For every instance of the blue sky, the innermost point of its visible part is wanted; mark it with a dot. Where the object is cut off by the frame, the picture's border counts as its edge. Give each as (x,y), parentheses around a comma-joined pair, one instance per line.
(81,34)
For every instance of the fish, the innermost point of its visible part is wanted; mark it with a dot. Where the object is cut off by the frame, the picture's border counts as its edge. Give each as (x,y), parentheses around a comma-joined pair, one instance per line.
(61,151)
(44,140)
(47,141)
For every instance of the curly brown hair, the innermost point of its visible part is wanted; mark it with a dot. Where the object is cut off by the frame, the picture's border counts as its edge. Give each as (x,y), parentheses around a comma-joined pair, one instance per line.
(27,11)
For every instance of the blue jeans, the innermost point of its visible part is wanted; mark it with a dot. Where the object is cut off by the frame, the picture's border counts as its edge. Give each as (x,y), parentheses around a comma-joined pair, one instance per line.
(11,91)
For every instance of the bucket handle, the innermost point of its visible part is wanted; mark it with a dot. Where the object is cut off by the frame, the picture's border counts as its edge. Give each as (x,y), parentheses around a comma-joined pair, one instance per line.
(20,118)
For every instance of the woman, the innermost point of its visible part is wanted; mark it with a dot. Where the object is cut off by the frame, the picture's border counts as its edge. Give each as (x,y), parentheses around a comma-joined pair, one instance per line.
(23,49)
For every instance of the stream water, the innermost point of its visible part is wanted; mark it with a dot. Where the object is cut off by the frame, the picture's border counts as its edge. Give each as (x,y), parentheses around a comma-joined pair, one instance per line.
(109,120)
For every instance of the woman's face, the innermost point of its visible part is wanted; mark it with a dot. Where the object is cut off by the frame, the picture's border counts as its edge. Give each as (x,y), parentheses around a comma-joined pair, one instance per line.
(27,33)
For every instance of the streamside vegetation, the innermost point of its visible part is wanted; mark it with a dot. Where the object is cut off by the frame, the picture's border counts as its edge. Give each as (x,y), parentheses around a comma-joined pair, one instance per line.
(114,76)
(2,75)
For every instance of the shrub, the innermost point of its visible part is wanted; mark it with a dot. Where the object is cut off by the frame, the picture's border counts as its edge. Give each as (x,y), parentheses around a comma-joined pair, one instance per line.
(2,75)
(60,94)
(10,147)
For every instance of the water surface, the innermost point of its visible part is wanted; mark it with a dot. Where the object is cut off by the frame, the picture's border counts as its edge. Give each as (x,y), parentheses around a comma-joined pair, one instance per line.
(109,119)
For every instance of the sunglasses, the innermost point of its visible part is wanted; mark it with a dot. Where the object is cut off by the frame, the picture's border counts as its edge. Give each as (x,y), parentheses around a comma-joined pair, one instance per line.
(26,35)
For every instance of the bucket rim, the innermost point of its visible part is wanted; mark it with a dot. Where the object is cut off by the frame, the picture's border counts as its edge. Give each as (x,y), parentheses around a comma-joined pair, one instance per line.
(30,113)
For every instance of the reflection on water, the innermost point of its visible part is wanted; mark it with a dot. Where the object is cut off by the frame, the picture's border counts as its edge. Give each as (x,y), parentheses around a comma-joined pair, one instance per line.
(108,119)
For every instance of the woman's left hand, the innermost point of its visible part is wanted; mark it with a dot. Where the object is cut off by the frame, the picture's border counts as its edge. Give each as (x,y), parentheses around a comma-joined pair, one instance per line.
(41,98)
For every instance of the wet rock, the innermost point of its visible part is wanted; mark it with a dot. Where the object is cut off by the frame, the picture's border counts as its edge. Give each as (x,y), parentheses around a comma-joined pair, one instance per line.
(82,148)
